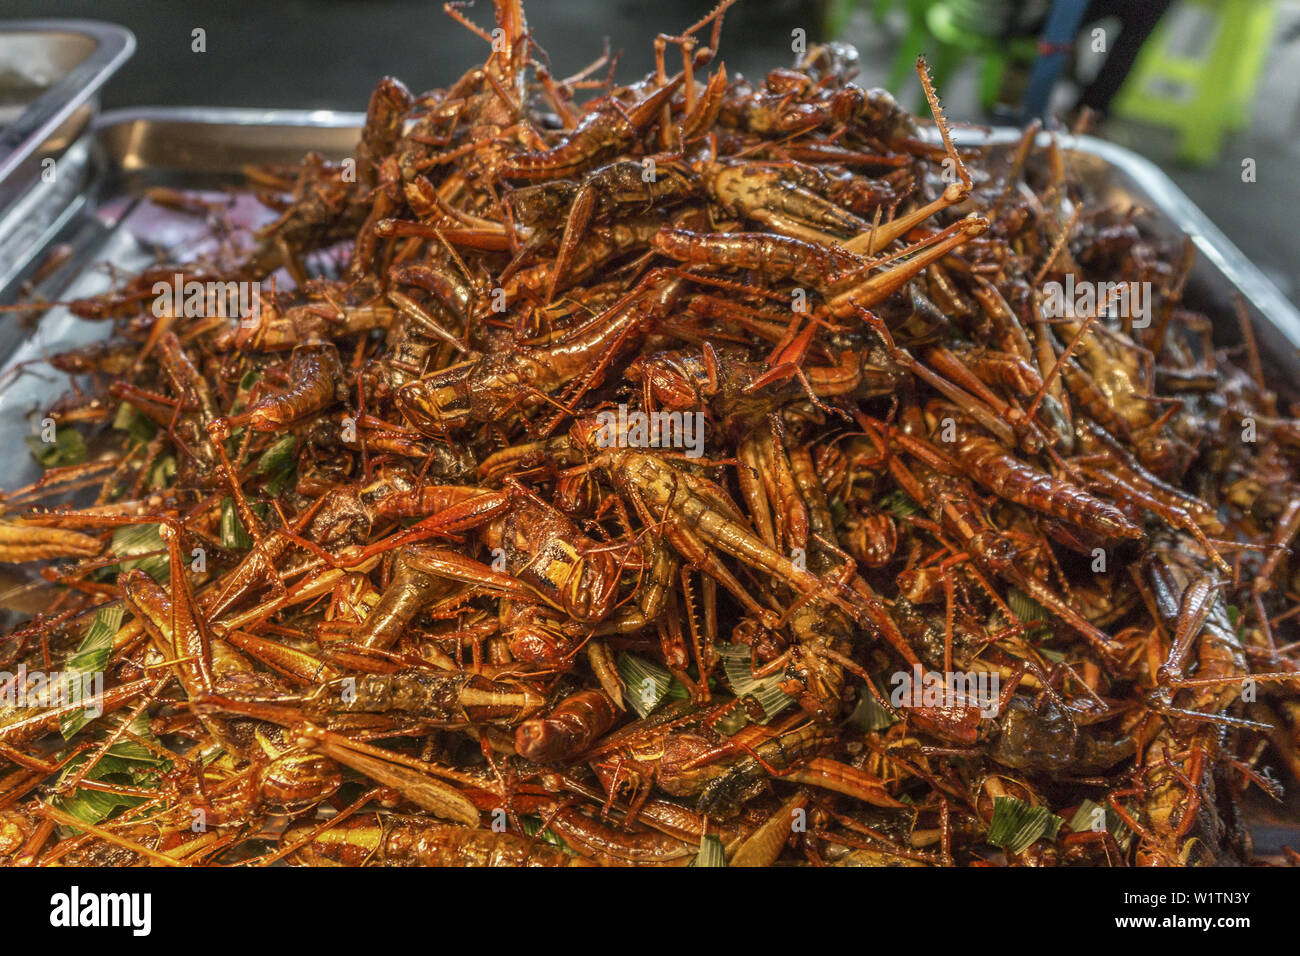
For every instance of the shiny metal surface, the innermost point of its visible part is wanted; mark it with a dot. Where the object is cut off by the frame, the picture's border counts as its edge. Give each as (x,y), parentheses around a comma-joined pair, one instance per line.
(50,71)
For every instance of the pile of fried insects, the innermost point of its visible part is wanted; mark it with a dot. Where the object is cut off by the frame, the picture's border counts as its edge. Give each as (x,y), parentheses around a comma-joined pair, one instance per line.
(685,473)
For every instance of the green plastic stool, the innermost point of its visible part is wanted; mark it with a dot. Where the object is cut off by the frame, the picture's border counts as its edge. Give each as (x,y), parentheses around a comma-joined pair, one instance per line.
(1201,97)
(948,34)
(837,13)
(880,10)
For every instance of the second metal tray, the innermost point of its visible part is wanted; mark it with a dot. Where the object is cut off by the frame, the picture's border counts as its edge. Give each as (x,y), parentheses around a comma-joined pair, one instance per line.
(50,72)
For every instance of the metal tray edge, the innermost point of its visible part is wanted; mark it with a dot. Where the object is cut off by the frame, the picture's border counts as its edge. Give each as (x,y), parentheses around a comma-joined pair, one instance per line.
(230,116)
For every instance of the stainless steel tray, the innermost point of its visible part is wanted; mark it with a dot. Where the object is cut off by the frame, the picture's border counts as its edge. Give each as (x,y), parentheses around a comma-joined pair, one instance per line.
(50,71)
(97,210)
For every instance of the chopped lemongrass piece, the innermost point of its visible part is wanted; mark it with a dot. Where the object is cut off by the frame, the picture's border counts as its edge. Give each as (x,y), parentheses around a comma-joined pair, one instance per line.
(1092,816)
(233,536)
(647,683)
(1016,824)
(740,675)
(87,664)
(1025,607)
(712,853)
(67,448)
(898,504)
(869,714)
(140,546)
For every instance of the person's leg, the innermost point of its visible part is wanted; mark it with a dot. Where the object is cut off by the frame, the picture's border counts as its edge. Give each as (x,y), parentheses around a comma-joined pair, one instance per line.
(1138,18)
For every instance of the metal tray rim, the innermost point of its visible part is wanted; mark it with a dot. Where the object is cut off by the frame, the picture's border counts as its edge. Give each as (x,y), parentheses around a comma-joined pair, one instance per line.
(230,116)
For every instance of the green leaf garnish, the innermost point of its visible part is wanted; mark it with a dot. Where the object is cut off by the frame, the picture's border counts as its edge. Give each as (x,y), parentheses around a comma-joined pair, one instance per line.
(1025,607)
(278,457)
(647,683)
(161,473)
(766,690)
(1016,824)
(68,448)
(278,462)
(898,503)
(712,853)
(233,535)
(131,420)
(1084,817)
(868,714)
(533,824)
(140,539)
(90,658)
(126,763)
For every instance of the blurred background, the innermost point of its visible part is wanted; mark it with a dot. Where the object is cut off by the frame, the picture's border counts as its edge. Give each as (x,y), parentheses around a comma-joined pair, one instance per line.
(1205,88)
